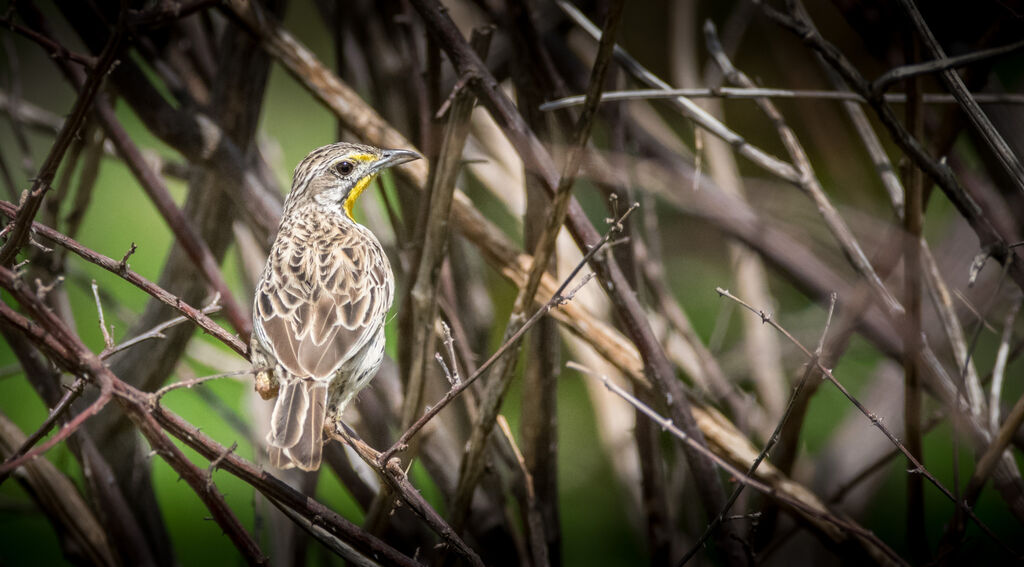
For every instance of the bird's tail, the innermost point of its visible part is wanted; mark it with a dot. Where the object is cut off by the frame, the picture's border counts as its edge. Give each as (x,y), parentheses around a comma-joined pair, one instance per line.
(297,424)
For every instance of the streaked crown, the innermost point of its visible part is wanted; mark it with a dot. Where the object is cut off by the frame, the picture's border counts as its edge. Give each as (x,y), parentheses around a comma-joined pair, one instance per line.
(335,175)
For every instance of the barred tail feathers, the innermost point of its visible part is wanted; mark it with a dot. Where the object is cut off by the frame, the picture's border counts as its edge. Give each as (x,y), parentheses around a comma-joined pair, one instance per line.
(296,425)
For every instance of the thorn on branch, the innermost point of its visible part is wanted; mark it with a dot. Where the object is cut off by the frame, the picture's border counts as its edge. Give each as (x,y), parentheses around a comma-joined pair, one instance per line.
(564,299)
(108,341)
(216,463)
(39,245)
(122,266)
(449,343)
(43,290)
(459,87)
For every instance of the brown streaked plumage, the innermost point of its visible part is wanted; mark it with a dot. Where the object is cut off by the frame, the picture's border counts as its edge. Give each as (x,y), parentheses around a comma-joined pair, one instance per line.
(321,302)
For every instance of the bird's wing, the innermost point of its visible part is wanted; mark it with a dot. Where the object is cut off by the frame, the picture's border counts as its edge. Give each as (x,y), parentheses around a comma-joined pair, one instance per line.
(322,297)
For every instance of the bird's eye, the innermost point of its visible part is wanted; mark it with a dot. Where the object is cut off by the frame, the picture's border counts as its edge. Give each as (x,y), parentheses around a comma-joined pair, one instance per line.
(344,168)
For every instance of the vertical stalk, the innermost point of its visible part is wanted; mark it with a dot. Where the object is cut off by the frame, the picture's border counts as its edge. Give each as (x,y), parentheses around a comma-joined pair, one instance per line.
(912,221)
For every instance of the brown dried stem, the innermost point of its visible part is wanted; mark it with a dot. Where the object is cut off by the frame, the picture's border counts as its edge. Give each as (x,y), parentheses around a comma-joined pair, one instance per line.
(114,266)
(70,395)
(979,120)
(18,237)
(472,463)
(873,418)
(63,346)
(992,242)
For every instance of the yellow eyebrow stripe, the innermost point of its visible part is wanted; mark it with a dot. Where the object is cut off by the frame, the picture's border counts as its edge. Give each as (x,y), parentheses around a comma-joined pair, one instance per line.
(362,157)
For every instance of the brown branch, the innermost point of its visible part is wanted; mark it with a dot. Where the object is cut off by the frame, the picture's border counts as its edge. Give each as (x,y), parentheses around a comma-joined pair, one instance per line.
(88,93)
(981,122)
(155,291)
(942,63)
(433,233)
(393,474)
(55,49)
(473,462)
(913,221)
(991,241)
(70,395)
(918,468)
(66,349)
(737,474)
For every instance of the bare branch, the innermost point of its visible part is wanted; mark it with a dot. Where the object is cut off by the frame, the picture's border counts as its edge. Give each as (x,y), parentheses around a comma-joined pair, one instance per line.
(135,279)
(90,88)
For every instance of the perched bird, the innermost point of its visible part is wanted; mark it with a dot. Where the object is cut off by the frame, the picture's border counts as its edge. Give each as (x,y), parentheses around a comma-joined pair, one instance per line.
(321,302)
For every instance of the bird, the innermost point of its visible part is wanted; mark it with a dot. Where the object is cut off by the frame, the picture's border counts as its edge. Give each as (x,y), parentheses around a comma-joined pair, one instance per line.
(321,302)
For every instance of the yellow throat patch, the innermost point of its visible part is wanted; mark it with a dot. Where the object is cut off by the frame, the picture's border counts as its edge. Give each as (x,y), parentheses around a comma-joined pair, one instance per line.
(354,194)
(360,186)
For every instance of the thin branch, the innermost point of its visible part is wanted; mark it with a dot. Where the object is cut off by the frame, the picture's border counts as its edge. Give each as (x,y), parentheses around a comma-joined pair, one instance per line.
(866,132)
(987,463)
(193,382)
(393,474)
(992,242)
(70,427)
(913,270)
(108,342)
(135,279)
(55,49)
(70,395)
(999,368)
(873,418)
(748,93)
(981,122)
(737,474)
(772,440)
(942,63)
(88,93)
(157,331)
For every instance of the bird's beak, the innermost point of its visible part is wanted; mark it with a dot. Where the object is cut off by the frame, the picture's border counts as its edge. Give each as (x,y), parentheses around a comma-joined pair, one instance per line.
(390,158)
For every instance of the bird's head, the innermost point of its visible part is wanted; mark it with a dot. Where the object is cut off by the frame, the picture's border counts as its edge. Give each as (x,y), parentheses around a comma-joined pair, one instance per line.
(335,175)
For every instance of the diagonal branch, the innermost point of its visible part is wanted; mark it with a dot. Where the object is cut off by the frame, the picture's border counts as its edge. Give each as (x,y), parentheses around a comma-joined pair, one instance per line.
(115,267)
(991,240)
(65,348)
(89,90)
(472,464)
(1007,158)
